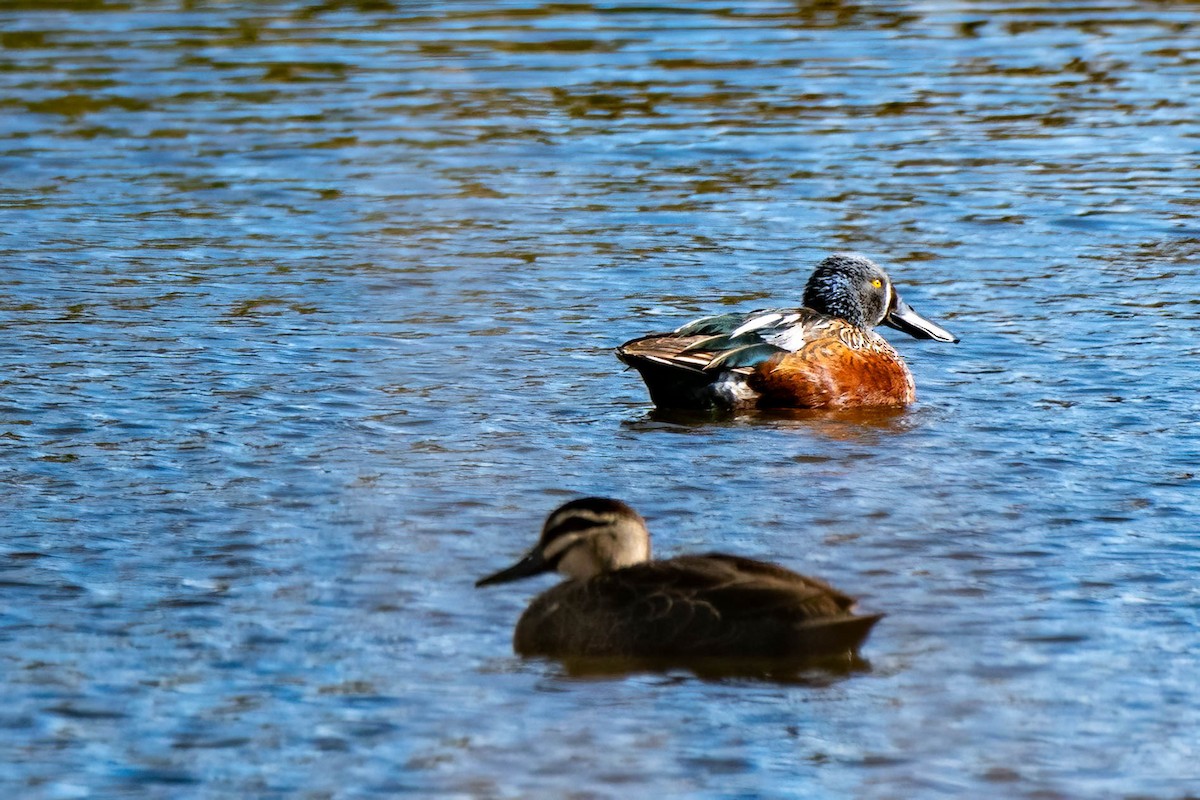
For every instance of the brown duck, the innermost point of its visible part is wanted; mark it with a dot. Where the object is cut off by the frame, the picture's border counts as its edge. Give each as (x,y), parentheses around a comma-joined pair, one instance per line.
(616,602)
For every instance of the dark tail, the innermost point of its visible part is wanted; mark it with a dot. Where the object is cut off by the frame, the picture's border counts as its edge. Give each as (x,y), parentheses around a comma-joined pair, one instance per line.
(671,384)
(834,635)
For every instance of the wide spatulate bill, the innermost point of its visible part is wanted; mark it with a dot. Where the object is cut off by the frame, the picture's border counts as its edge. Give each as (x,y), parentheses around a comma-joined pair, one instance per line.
(902,317)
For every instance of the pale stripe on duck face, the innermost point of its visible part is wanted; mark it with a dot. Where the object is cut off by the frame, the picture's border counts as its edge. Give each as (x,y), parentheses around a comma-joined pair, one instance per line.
(592,535)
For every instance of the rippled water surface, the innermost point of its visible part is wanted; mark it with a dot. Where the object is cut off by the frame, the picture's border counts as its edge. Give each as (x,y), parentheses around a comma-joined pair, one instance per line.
(307,316)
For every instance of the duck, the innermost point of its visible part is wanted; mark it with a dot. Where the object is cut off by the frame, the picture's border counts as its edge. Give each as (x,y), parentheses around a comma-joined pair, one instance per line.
(616,602)
(825,355)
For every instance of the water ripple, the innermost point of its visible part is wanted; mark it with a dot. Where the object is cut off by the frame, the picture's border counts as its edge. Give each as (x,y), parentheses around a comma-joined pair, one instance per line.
(310,308)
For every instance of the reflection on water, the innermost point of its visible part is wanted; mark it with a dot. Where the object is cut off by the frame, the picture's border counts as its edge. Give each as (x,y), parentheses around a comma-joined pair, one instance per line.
(821,673)
(851,423)
(310,309)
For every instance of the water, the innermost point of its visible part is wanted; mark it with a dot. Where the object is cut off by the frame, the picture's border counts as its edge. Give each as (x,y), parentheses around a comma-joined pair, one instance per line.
(307,316)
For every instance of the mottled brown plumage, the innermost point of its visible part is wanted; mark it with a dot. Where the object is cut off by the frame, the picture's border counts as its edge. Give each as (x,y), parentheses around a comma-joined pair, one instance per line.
(712,605)
(688,607)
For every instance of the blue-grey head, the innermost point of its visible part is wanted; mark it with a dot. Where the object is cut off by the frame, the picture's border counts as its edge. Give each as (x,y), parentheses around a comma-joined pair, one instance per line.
(581,539)
(852,287)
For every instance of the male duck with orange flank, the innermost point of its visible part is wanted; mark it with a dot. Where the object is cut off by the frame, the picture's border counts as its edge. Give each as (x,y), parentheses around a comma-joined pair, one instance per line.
(824,355)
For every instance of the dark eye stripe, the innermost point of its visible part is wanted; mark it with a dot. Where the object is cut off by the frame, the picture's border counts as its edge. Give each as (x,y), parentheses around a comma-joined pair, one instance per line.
(573,524)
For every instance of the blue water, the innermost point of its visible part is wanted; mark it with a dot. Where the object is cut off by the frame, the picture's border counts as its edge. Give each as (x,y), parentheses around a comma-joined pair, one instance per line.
(307,312)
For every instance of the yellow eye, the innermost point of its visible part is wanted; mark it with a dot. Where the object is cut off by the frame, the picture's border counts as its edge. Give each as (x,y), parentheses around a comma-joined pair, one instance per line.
(878,284)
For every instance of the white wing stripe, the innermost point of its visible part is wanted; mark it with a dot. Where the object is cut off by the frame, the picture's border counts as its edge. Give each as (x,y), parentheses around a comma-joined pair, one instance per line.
(790,339)
(756,322)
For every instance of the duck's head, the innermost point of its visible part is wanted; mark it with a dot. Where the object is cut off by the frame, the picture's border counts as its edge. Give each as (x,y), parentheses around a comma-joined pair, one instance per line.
(852,287)
(581,539)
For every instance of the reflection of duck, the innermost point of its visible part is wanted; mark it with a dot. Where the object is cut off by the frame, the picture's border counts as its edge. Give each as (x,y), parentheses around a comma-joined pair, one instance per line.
(822,356)
(618,603)
(866,424)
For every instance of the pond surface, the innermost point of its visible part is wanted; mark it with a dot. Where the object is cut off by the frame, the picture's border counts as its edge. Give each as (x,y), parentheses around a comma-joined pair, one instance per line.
(307,316)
